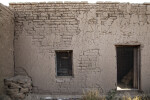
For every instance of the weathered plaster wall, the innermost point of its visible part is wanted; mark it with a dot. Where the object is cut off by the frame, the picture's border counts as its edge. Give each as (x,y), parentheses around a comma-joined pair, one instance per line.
(91,31)
(6,44)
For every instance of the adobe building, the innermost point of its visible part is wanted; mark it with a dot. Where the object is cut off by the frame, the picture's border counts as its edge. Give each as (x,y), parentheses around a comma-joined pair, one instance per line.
(67,48)
(6,45)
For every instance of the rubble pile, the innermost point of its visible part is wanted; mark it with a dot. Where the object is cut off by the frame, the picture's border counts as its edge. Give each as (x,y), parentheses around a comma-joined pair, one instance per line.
(18,87)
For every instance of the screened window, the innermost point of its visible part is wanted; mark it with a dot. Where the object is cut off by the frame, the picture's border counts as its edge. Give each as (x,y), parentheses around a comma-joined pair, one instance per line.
(64,63)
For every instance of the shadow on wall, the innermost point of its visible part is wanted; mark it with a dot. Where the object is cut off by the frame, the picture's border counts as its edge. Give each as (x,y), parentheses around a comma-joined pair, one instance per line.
(6,45)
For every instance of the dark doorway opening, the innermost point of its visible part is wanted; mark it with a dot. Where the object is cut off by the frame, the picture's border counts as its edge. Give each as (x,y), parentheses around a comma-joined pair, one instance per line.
(127,67)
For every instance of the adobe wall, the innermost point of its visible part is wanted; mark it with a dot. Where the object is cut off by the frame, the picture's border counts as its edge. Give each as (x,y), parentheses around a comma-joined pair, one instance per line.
(91,31)
(6,45)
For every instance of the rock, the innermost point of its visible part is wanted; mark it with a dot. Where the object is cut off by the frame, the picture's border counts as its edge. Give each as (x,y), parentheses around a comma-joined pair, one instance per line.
(26,85)
(14,86)
(24,90)
(18,87)
(12,91)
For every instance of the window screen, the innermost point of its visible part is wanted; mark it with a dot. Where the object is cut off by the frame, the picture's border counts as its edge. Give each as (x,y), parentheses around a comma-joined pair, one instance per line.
(64,63)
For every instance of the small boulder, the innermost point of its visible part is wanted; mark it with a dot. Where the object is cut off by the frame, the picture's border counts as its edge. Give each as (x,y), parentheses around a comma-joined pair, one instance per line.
(18,87)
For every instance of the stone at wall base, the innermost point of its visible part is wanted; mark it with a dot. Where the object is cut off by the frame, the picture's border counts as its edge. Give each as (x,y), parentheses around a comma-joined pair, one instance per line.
(18,87)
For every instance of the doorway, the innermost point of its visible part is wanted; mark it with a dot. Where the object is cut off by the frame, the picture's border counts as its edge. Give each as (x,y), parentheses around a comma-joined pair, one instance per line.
(127,67)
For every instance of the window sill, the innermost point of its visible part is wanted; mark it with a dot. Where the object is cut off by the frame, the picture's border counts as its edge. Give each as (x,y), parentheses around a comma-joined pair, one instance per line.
(126,89)
(64,76)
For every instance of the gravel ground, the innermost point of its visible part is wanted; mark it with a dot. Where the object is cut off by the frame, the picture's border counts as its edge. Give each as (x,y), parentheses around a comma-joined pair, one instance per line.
(49,97)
